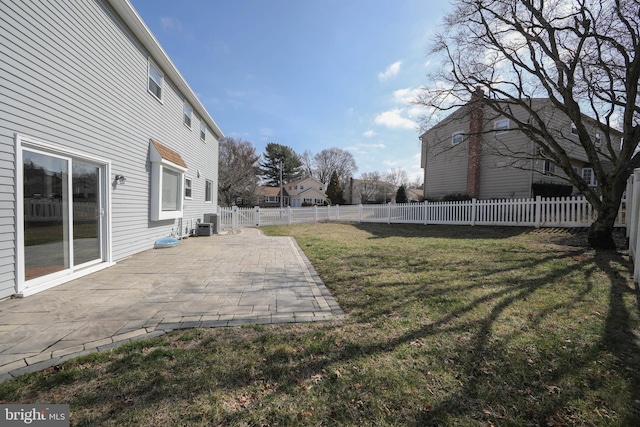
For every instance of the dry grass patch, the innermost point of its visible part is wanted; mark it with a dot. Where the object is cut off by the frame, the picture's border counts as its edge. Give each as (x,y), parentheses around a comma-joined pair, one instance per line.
(445,326)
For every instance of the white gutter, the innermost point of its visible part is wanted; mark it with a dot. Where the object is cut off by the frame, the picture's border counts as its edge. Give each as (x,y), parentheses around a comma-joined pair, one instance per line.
(137,26)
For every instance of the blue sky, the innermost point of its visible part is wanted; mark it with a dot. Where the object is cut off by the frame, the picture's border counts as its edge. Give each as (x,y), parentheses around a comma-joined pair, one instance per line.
(307,74)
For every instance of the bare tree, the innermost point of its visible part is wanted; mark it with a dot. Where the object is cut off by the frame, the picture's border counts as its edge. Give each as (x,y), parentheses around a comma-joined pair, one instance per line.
(237,170)
(307,163)
(332,160)
(583,56)
(397,177)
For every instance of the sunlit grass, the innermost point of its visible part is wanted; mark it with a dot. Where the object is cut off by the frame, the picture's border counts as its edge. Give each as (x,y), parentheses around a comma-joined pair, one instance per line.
(444,326)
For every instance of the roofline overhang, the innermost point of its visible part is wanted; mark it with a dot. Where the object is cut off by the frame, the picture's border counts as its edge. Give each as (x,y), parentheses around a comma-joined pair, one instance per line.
(132,19)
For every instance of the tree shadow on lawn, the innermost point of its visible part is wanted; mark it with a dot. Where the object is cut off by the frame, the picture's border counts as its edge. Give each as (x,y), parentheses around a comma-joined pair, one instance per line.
(383,230)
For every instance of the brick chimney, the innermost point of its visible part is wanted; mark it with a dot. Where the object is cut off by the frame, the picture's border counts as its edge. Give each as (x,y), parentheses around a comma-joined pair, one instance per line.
(475,143)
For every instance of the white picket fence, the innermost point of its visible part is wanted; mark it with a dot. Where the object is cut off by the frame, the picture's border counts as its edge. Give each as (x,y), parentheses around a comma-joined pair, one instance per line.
(538,212)
(633,221)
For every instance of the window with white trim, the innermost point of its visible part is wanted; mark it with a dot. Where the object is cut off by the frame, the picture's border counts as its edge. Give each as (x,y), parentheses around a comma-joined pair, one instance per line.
(155,80)
(574,130)
(203,130)
(501,126)
(187,115)
(456,138)
(167,183)
(589,176)
(187,188)
(208,191)
(549,167)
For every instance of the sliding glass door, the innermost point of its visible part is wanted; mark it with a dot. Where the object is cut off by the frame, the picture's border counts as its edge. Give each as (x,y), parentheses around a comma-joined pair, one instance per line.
(62,206)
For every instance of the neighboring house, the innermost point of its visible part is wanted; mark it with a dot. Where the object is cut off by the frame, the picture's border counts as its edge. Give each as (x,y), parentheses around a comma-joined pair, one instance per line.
(363,191)
(104,147)
(303,192)
(269,197)
(476,153)
(415,195)
(306,192)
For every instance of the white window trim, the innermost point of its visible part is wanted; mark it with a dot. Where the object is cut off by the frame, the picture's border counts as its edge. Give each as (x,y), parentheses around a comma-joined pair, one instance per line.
(52,280)
(208,181)
(454,137)
(573,130)
(548,167)
(160,84)
(203,131)
(592,182)
(188,187)
(498,128)
(157,165)
(187,117)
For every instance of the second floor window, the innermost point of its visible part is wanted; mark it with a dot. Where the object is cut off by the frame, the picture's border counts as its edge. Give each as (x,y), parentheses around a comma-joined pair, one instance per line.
(203,130)
(187,115)
(156,79)
(549,168)
(501,125)
(589,176)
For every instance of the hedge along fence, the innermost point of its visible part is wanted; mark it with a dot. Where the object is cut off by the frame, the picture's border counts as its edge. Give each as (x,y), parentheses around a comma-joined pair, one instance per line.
(536,212)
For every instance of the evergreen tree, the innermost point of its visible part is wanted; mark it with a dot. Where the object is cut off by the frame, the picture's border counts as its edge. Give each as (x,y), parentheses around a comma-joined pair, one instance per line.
(401,195)
(335,193)
(270,166)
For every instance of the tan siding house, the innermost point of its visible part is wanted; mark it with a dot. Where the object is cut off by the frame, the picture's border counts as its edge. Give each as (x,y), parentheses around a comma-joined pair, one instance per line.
(477,153)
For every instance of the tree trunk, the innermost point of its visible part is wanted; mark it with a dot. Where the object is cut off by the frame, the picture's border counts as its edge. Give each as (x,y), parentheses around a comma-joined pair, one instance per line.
(601,231)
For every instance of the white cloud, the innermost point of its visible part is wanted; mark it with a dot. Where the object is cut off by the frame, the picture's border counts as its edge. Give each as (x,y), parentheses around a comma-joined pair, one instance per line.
(170,23)
(361,148)
(393,119)
(369,133)
(392,70)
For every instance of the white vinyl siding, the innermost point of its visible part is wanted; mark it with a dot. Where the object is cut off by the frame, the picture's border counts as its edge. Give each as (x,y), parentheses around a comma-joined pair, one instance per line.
(55,56)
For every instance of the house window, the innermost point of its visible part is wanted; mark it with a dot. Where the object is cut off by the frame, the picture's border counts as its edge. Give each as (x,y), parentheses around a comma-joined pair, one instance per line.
(456,138)
(597,140)
(167,183)
(549,168)
(187,188)
(302,187)
(574,130)
(208,191)
(156,79)
(203,130)
(171,190)
(501,126)
(589,176)
(187,115)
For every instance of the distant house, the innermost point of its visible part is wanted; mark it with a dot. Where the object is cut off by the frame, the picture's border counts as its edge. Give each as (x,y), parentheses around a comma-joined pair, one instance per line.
(415,195)
(363,191)
(269,197)
(306,192)
(476,153)
(104,147)
(303,192)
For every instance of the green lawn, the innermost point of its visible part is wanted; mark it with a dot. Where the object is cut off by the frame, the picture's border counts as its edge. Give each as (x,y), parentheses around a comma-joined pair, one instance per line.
(445,326)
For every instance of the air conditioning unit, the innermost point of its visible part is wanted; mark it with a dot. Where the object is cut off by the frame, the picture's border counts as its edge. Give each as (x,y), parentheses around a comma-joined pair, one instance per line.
(214,220)
(205,229)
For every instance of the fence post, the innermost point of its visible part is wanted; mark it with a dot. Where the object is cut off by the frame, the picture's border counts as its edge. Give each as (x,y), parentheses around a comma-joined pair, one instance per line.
(473,212)
(289,213)
(315,213)
(538,211)
(426,212)
(234,217)
(360,212)
(389,211)
(256,217)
